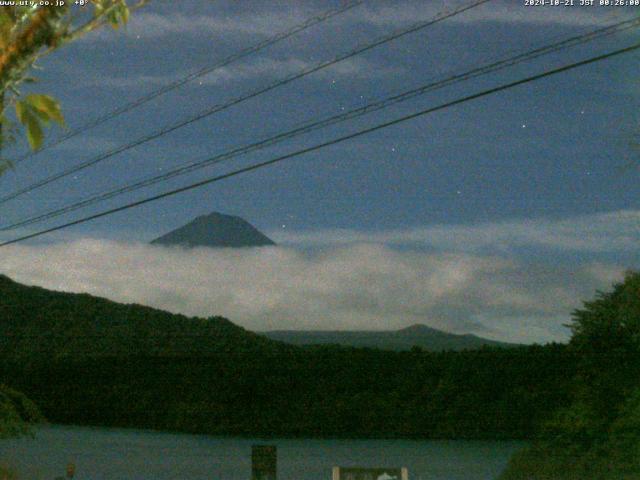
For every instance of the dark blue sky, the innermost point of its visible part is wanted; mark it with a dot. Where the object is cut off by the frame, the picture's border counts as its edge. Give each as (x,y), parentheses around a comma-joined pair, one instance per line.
(537,174)
(552,149)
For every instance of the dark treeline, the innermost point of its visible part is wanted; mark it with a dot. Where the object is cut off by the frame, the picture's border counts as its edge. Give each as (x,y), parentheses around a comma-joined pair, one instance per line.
(86,360)
(324,391)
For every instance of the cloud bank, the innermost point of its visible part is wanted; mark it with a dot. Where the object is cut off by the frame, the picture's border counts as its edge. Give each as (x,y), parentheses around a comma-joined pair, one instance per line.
(347,287)
(263,21)
(616,231)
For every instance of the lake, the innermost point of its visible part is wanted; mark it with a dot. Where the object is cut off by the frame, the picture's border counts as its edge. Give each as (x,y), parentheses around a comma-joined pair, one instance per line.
(104,453)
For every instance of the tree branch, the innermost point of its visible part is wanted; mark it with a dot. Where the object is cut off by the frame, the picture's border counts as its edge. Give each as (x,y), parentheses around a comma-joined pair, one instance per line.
(37,34)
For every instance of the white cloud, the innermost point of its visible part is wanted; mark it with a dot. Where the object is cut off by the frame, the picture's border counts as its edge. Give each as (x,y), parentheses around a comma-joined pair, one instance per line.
(276,69)
(352,287)
(280,68)
(603,232)
(148,24)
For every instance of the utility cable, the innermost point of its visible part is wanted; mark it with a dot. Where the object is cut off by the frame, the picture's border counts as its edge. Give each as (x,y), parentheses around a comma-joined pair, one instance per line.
(315,125)
(334,141)
(218,108)
(194,75)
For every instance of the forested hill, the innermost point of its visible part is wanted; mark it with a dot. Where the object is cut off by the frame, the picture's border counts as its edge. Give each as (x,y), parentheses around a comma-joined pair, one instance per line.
(89,361)
(421,336)
(39,322)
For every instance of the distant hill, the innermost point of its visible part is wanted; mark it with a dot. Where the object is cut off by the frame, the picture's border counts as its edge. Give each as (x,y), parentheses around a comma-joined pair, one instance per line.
(421,336)
(86,360)
(215,230)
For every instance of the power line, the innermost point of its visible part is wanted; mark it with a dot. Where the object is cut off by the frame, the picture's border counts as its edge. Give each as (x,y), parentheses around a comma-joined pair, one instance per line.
(327,144)
(197,74)
(354,113)
(218,108)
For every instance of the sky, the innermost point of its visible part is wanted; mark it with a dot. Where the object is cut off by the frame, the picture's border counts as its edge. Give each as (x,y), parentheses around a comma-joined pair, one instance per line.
(497,216)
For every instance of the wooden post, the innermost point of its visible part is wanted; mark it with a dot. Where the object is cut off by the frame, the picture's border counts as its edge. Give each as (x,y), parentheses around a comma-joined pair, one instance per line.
(264,462)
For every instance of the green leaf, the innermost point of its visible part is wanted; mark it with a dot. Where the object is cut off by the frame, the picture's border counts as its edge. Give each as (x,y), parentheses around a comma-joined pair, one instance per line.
(112,17)
(33,112)
(47,107)
(21,110)
(119,14)
(124,13)
(99,9)
(40,115)
(34,131)
(6,23)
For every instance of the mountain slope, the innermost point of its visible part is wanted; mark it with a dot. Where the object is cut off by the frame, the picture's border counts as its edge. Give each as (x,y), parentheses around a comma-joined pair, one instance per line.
(215,230)
(421,336)
(35,322)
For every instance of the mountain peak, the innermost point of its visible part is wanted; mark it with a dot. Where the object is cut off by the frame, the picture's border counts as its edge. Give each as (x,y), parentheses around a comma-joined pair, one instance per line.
(419,335)
(215,230)
(418,328)
(217,216)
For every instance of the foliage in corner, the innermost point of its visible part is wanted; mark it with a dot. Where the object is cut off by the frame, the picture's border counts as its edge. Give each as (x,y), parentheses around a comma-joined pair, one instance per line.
(18,414)
(597,435)
(27,33)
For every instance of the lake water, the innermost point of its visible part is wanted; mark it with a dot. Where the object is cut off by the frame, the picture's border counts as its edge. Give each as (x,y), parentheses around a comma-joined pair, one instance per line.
(102,453)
